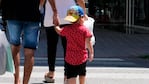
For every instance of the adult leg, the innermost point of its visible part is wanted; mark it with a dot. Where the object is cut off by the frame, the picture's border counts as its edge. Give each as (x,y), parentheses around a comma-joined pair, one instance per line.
(13,35)
(16,58)
(52,40)
(30,42)
(28,64)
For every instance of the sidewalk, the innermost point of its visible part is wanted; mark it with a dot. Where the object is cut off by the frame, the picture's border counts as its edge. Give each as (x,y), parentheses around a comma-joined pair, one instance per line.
(95,75)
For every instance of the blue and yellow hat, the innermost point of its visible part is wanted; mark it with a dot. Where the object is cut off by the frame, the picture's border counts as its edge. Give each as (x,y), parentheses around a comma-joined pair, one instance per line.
(73,13)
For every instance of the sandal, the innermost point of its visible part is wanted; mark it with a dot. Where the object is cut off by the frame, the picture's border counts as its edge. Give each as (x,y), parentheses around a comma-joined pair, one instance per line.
(49,77)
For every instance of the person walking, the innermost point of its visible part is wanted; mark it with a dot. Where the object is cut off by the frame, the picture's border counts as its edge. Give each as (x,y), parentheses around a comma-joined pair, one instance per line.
(56,9)
(22,18)
(78,42)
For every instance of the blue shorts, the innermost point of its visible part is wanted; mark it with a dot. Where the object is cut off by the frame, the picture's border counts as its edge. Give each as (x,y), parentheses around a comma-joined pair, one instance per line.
(24,32)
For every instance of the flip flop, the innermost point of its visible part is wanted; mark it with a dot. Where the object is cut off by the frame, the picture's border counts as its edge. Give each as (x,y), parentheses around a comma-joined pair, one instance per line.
(49,79)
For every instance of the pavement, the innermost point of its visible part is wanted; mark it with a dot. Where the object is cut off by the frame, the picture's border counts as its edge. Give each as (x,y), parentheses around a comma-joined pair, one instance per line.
(117,59)
(95,75)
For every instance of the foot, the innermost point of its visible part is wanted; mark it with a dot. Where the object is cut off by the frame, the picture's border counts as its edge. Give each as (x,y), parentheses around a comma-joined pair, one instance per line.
(17,81)
(49,77)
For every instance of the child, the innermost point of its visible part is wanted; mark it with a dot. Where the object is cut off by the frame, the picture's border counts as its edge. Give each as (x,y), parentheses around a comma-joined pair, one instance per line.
(76,53)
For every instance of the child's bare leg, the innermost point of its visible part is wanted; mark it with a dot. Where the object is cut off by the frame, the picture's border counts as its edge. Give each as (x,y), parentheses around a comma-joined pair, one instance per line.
(71,81)
(82,79)
(65,79)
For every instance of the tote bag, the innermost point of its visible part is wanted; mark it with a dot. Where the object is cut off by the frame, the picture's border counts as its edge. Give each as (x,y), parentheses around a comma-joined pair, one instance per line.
(6,59)
(89,23)
(2,59)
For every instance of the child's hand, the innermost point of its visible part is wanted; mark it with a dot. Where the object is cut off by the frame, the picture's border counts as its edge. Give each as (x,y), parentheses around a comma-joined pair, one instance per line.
(91,57)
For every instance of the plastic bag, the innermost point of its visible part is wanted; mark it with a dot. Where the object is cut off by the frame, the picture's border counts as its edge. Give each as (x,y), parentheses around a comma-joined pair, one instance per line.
(2,59)
(6,56)
(90,25)
(9,60)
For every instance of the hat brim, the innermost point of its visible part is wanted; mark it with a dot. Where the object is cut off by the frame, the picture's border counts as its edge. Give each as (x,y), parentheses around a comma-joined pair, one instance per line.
(70,19)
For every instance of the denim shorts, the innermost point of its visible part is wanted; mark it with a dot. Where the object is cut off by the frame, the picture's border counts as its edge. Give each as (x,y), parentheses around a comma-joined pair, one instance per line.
(23,32)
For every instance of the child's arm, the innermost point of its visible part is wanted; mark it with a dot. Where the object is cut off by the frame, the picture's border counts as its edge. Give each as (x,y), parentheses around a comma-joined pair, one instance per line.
(90,48)
(58,29)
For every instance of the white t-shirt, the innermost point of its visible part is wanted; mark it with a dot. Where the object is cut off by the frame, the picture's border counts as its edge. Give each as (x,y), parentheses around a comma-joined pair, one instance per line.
(62,7)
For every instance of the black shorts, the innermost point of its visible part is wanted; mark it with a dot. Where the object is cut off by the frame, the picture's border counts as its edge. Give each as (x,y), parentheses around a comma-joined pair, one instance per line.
(74,70)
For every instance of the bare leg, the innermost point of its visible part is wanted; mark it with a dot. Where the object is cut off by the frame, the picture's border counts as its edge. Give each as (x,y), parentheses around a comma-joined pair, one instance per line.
(28,64)
(82,79)
(71,81)
(16,58)
(65,79)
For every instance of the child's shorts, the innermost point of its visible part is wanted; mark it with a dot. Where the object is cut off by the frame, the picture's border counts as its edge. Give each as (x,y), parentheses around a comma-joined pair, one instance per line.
(74,70)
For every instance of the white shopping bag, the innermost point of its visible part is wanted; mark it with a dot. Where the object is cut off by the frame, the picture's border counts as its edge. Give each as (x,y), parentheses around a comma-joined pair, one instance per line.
(89,23)
(6,61)
(2,58)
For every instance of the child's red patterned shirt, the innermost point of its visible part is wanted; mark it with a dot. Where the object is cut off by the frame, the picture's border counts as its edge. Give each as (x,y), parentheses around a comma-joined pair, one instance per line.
(76,52)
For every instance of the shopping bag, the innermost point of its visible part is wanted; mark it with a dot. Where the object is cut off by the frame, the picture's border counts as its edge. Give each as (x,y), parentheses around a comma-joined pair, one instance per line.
(2,59)
(9,60)
(8,64)
(89,23)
